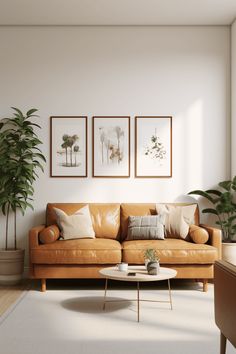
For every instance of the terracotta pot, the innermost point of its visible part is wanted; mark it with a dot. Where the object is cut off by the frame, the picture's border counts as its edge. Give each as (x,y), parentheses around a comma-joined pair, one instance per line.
(11,266)
(229,252)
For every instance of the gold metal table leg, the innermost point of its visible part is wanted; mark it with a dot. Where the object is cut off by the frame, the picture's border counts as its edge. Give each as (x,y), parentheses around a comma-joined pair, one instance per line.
(138,298)
(171,307)
(104,303)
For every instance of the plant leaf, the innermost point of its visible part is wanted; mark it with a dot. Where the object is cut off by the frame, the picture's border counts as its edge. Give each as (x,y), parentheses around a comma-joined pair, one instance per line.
(203,194)
(225,185)
(214,191)
(210,211)
(31,111)
(18,111)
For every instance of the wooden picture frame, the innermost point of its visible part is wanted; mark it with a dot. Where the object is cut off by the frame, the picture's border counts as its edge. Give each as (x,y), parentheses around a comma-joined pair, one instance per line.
(68,146)
(111,146)
(153,146)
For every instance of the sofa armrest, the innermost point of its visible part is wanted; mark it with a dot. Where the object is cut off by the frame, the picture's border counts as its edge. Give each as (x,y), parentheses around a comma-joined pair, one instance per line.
(34,235)
(215,238)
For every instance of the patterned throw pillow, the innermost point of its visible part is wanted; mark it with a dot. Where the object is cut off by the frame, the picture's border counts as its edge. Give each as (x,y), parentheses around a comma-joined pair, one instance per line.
(78,225)
(150,227)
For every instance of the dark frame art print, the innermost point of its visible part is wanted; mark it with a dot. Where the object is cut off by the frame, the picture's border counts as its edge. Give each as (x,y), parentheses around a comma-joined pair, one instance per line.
(153,146)
(68,146)
(111,146)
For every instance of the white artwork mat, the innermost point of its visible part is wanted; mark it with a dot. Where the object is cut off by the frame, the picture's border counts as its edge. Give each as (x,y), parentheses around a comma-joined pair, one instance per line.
(68,146)
(111,146)
(153,147)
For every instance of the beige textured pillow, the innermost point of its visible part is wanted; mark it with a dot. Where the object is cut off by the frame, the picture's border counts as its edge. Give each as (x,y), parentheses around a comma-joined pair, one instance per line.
(78,225)
(178,218)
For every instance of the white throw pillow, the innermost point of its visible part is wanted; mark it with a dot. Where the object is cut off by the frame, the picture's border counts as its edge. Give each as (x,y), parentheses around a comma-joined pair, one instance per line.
(178,218)
(78,225)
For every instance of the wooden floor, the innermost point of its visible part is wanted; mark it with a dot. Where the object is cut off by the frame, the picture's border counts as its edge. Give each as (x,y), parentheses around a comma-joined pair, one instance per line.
(10,294)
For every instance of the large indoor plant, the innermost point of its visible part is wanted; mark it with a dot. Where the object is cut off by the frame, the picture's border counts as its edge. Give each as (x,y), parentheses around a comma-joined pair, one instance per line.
(20,157)
(224,207)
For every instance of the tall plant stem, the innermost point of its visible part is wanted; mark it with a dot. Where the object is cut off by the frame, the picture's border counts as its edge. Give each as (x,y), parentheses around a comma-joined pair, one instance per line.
(15,229)
(221,223)
(7,222)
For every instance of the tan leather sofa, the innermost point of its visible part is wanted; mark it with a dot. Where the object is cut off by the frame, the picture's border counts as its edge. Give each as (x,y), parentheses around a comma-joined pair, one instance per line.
(83,258)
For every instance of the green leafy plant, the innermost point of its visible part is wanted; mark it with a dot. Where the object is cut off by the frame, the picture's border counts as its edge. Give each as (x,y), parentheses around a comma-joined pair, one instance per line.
(224,207)
(20,157)
(151,254)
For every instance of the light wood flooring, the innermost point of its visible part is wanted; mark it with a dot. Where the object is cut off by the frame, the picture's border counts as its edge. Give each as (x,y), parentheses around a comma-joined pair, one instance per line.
(10,294)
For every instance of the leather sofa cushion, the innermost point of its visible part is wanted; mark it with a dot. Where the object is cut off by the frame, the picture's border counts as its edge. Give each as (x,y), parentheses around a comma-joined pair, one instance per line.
(170,251)
(133,209)
(141,209)
(105,216)
(79,251)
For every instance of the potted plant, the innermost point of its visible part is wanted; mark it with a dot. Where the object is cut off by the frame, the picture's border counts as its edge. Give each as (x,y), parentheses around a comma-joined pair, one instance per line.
(224,207)
(152,262)
(20,157)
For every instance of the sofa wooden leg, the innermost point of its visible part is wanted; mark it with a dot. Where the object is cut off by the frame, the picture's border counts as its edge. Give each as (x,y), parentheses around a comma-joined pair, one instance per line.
(205,285)
(43,285)
(222,343)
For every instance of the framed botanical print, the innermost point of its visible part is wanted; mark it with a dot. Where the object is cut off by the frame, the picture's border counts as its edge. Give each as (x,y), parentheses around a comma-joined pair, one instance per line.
(153,146)
(111,146)
(68,146)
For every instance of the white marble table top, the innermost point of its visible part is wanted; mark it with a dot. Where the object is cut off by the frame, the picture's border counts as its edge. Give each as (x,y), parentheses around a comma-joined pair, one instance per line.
(141,274)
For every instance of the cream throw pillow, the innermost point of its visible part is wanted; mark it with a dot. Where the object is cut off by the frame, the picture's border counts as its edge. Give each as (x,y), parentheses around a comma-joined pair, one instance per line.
(177,220)
(78,225)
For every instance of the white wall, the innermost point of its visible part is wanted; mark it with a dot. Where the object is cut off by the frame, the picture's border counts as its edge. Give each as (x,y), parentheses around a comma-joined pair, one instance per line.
(233,98)
(178,71)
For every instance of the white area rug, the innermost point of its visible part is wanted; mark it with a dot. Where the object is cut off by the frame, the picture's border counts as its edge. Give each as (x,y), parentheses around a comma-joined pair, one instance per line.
(72,321)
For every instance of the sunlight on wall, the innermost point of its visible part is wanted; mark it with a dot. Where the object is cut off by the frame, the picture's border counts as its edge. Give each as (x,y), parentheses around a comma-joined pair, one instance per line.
(233,99)
(194,145)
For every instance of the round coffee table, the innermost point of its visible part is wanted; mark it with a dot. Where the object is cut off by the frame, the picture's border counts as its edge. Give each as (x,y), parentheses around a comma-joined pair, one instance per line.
(141,275)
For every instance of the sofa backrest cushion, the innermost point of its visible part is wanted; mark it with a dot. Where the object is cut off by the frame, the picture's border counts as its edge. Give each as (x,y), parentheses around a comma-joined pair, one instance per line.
(141,209)
(105,216)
